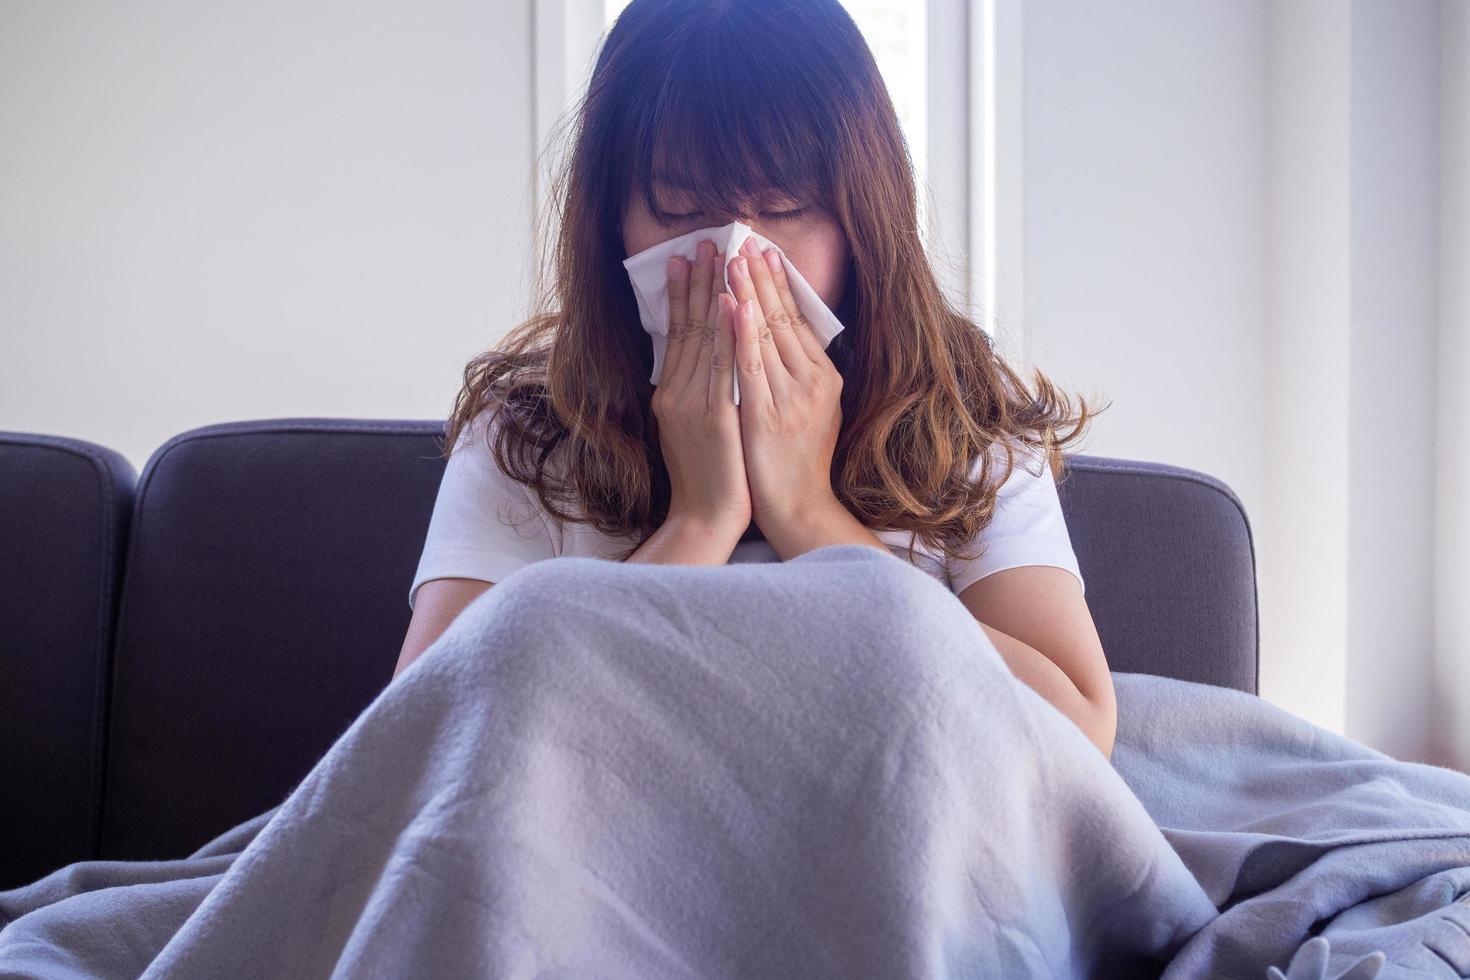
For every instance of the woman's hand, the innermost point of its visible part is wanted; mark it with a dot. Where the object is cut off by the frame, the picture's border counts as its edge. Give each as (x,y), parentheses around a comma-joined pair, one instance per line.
(790,403)
(698,422)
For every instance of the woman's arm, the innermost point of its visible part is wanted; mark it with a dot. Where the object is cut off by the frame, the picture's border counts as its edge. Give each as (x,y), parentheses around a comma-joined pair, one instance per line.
(686,540)
(1039,622)
(1044,677)
(440,601)
(823,523)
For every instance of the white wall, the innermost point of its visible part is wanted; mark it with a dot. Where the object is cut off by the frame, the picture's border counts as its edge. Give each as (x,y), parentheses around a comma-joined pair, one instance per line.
(1232,233)
(1451,694)
(1393,292)
(1145,209)
(1302,527)
(214,212)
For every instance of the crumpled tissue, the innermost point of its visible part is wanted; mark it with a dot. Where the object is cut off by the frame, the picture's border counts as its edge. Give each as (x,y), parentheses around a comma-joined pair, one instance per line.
(648,270)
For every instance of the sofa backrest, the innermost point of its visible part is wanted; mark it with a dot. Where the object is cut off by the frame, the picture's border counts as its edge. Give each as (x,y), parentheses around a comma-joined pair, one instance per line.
(264,604)
(64,511)
(1170,566)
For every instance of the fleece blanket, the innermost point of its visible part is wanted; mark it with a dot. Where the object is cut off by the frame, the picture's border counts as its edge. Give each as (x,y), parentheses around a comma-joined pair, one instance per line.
(817,768)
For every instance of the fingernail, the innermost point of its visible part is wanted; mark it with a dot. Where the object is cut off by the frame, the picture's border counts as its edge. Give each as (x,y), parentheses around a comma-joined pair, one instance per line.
(741,267)
(676,270)
(773,260)
(704,250)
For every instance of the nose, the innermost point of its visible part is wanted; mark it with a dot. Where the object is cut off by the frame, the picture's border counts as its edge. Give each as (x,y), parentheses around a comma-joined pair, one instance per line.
(726,217)
(745,213)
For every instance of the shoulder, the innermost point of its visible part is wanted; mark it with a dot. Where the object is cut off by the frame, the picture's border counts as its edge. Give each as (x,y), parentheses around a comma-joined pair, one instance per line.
(1029,468)
(1027,504)
(479,431)
(1027,526)
(483,438)
(474,479)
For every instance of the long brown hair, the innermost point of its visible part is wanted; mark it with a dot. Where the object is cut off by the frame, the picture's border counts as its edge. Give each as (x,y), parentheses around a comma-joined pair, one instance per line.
(924,393)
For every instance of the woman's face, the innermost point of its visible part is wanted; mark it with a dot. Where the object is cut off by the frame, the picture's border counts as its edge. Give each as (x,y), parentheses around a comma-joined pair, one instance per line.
(812,239)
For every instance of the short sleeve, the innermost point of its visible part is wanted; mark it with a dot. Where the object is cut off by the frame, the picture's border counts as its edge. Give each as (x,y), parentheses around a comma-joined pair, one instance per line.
(485,525)
(1027,527)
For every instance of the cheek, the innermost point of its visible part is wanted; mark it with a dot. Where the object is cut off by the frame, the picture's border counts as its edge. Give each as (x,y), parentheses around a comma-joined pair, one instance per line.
(641,231)
(640,234)
(822,264)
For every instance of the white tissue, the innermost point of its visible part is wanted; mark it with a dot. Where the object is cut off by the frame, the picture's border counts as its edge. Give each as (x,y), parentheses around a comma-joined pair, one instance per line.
(649,271)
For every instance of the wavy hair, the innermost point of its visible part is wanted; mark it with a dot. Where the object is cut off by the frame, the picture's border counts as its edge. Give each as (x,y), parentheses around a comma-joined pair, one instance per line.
(925,394)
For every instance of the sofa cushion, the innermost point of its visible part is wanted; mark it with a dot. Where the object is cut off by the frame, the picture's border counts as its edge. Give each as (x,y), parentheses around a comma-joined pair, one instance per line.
(263,609)
(64,511)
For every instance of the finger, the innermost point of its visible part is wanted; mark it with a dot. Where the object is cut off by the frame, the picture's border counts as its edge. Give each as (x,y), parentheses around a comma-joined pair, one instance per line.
(800,325)
(697,314)
(722,355)
(755,388)
(778,377)
(778,317)
(678,276)
(702,343)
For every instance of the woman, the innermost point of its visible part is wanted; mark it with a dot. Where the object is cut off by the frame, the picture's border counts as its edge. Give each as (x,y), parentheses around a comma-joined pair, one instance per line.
(908,433)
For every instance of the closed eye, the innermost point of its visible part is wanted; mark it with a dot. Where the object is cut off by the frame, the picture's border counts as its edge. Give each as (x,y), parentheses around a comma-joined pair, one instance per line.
(666,218)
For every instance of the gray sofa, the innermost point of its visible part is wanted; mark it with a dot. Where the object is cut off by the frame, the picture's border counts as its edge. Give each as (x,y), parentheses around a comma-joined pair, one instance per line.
(178,649)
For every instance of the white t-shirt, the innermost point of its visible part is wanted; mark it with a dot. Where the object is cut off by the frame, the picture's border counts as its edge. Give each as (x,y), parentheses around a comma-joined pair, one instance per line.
(485,525)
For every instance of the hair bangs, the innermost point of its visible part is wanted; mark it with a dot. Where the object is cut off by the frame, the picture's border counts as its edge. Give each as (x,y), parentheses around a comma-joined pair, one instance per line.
(725,142)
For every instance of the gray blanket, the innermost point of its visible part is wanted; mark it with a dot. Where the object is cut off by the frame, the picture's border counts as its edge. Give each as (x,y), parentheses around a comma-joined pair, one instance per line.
(818,768)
